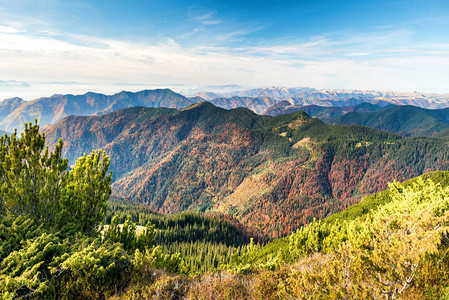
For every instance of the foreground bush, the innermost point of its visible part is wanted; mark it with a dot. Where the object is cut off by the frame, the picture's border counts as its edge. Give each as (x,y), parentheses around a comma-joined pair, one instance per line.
(50,243)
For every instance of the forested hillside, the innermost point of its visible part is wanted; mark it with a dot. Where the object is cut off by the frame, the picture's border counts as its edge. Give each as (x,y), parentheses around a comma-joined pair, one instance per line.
(322,112)
(204,241)
(271,173)
(404,120)
(391,245)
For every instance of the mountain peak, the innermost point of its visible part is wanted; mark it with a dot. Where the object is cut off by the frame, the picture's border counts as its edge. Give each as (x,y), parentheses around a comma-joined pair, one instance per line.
(200,106)
(12,100)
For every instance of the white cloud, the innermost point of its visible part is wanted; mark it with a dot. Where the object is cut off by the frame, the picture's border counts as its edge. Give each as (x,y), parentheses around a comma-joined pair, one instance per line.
(80,63)
(7,29)
(205,18)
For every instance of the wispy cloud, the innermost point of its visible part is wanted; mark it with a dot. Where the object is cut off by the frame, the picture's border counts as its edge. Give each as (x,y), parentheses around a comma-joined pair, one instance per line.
(51,63)
(204,18)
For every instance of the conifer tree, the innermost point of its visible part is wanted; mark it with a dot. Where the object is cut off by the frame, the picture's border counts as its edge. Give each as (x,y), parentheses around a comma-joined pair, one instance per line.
(87,189)
(35,182)
(31,177)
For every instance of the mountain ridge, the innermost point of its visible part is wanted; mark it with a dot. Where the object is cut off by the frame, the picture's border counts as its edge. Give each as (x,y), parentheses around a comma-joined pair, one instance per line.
(405,120)
(286,169)
(49,110)
(14,112)
(321,112)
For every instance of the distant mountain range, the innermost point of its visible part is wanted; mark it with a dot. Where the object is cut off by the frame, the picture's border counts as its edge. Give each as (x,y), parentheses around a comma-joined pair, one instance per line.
(14,112)
(48,110)
(257,105)
(309,96)
(272,173)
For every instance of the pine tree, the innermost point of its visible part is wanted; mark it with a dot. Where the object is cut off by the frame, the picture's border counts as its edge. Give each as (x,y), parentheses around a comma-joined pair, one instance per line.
(35,182)
(31,177)
(87,190)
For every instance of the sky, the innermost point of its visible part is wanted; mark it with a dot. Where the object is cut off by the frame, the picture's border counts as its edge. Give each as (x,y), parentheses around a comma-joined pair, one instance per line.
(58,47)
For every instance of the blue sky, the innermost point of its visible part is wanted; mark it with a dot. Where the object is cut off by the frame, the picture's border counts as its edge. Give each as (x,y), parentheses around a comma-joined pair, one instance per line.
(54,46)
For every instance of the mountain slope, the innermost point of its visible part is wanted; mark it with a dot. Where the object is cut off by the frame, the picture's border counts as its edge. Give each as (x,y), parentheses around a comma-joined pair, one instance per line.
(405,120)
(321,112)
(9,105)
(273,173)
(49,110)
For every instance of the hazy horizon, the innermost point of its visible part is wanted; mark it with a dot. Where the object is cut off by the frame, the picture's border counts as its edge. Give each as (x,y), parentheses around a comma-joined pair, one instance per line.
(192,91)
